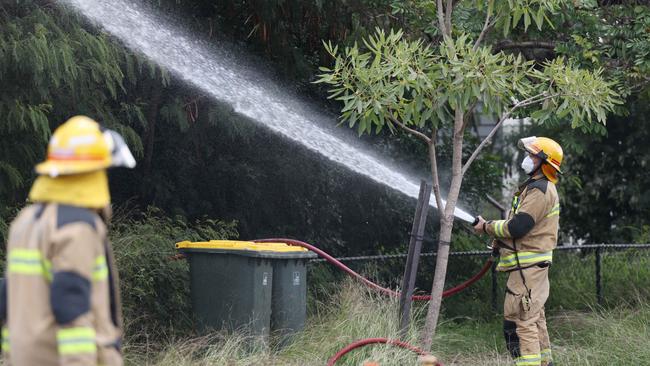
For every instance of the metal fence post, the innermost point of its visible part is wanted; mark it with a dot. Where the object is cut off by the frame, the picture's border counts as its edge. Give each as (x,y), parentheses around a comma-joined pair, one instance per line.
(599,285)
(413,258)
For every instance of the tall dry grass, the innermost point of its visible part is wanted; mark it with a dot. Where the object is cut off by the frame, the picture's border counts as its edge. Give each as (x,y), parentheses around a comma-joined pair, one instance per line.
(599,337)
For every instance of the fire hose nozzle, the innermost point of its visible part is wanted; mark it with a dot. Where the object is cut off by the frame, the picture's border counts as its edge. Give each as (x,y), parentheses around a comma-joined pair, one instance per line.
(475,221)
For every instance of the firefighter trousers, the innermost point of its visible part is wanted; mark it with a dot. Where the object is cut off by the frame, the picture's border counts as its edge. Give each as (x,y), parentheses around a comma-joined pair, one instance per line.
(524,325)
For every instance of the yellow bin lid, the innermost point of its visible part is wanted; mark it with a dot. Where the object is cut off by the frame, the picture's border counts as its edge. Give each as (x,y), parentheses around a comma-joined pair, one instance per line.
(240,245)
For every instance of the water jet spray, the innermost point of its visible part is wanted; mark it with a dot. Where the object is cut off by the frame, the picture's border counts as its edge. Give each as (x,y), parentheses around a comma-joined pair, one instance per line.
(223,78)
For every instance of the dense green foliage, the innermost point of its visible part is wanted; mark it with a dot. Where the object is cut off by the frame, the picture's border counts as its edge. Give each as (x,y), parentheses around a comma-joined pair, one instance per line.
(52,68)
(604,194)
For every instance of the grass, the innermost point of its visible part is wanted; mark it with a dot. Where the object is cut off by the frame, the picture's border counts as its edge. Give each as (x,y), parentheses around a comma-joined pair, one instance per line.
(598,337)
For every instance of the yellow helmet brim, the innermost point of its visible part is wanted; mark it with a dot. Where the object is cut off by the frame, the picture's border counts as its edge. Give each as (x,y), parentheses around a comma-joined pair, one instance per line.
(81,145)
(55,168)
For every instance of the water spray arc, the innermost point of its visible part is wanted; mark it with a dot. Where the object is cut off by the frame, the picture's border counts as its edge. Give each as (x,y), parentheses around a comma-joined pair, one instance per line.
(220,76)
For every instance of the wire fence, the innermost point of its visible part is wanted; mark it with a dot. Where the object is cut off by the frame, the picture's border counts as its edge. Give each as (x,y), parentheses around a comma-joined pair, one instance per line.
(597,249)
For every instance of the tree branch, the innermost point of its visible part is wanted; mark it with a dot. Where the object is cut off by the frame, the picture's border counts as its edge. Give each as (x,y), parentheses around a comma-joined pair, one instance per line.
(406,128)
(507,44)
(433,159)
(441,18)
(532,100)
(468,114)
(486,26)
(486,140)
(448,11)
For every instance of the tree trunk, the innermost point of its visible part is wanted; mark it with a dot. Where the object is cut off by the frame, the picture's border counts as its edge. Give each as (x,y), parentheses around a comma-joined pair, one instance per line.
(444,239)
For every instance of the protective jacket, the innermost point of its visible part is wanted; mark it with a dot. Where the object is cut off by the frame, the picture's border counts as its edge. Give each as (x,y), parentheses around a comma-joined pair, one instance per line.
(531,228)
(59,302)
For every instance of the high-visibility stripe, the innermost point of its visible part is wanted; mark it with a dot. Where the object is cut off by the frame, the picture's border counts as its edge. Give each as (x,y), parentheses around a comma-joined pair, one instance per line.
(515,204)
(536,362)
(498,228)
(5,339)
(100,270)
(525,256)
(554,211)
(528,360)
(510,261)
(63,157)
(546,354)
(28,262)
(76,340)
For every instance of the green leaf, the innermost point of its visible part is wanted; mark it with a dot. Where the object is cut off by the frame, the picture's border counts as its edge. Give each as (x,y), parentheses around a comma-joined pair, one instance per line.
(527,20)
(516,16)
(539,18)
(506,27)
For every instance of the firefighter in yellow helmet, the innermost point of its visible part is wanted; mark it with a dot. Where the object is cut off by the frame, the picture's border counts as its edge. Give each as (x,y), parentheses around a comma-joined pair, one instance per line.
(525,242)
(59,302)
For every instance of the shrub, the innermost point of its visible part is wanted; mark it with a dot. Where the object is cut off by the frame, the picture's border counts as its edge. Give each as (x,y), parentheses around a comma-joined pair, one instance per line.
(155,284)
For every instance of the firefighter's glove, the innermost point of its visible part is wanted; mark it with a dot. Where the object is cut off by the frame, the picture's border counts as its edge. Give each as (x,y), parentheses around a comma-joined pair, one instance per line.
(479,228)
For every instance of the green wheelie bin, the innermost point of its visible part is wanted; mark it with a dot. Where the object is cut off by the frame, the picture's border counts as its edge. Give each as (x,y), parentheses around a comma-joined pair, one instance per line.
(232,286)
(289,295)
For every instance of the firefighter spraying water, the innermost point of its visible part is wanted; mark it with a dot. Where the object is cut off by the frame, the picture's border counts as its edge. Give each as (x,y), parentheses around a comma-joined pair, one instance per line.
(525,242)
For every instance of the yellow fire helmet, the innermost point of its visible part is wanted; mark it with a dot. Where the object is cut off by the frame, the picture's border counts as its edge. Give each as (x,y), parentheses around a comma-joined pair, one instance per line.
(80,145)
(547,150)
(78,155)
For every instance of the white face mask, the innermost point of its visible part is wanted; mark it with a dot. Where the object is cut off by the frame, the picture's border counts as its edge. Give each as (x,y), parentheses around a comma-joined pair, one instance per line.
(528,165)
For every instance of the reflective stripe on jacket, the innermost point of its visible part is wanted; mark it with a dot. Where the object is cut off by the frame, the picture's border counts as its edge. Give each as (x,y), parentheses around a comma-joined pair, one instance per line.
(509,262)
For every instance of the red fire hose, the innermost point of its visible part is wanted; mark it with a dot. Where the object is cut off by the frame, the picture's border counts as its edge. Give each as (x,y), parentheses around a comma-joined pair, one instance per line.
(371,284)
(365,342)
